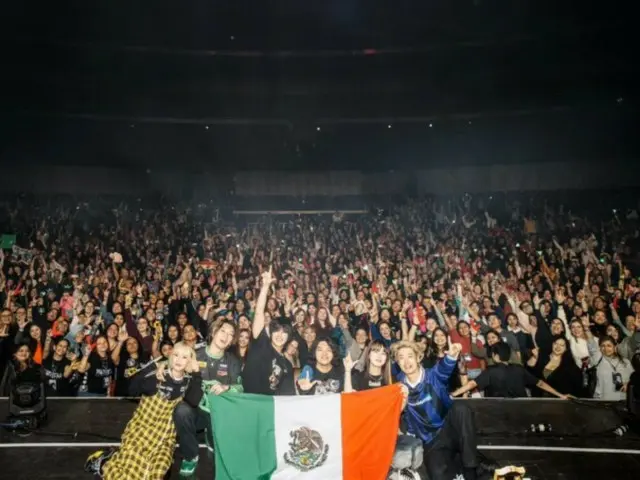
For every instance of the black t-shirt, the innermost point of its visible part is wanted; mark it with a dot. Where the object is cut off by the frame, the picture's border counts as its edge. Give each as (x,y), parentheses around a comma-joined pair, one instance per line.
(99,375)
(266,371)
(127,367)
(364,381)
(145,382)
(330,382)
(505,381)
(55,383)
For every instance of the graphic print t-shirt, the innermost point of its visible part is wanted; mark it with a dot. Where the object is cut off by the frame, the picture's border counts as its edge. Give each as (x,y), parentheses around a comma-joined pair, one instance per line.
(267,372)
(330,382)
(55,383)
(98,377)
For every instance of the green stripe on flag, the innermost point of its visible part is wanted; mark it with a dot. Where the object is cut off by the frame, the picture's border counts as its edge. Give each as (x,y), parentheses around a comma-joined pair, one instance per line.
(244,436)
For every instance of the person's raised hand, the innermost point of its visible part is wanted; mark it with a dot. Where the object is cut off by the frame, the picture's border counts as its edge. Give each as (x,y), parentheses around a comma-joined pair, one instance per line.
(348,363)
(218,389)
(305,384)
(267,277)
(193,366)
(454,348)
(160,373)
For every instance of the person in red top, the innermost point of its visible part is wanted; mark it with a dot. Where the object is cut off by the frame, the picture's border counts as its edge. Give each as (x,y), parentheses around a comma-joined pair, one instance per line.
(471,346)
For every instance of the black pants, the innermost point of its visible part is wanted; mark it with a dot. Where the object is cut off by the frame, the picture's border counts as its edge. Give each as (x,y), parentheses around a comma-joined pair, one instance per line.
(189,421)
(455,447)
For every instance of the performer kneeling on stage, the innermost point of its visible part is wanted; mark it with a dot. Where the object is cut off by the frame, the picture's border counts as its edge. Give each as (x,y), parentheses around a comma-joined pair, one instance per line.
(149,440)
(445,427)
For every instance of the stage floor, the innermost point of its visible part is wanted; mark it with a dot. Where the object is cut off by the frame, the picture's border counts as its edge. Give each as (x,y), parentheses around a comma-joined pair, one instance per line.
(56,453)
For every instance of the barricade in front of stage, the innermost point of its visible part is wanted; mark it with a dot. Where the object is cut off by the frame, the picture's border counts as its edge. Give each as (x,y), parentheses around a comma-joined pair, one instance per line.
(107,417)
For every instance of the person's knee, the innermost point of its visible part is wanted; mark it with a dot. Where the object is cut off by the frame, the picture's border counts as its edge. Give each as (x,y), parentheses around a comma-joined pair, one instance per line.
(183,413)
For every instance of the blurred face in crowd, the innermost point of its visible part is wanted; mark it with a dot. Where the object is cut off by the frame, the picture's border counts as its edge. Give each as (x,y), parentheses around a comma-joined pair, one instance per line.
(527,308)
(119,320)
(439,339)
(35,332)
(361,337)
(557,327)
(600,318)
(102,346)
(559,347)
(173,333)
(322,315)
(182,320)
(244,338)
(309,335)
(166,350)
(630,322)
(492,338)
(23,354)
(143,326)
(607,348)
(61,349)
(577,330)
(112,331)
(431,324)
(189,334)
(613,332)
(132,346)
(494,322)
(239,306)
(292,348)
(463,329)
(244,322)
(324,354)
(385,330)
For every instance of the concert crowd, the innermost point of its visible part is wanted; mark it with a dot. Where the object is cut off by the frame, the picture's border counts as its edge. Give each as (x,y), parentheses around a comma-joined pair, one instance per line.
(313,304)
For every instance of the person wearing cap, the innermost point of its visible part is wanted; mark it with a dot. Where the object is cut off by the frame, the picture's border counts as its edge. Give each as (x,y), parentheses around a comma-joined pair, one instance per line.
(267,371)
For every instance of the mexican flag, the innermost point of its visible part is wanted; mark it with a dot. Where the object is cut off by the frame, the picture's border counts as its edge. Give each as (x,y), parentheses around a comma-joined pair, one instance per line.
(349,436)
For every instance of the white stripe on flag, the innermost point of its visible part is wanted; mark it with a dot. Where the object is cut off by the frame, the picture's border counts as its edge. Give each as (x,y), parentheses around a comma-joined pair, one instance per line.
(321,415)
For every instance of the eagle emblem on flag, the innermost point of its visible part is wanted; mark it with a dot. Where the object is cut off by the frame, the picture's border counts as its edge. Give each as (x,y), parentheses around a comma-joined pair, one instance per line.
(307,449)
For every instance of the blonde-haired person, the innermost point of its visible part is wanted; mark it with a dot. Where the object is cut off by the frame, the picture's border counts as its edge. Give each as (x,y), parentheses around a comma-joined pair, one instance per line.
(149,439)
(446,428)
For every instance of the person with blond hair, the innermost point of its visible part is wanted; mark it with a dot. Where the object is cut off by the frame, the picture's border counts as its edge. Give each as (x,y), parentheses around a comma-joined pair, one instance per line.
(148,441)
(445,428)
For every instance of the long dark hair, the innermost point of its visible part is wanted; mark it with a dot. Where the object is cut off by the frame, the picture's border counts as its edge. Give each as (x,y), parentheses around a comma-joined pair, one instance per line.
(432,348)
(236,347)
(378,346)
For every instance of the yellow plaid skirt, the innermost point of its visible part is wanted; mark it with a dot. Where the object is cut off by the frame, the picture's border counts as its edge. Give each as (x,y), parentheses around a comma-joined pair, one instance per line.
(148,443)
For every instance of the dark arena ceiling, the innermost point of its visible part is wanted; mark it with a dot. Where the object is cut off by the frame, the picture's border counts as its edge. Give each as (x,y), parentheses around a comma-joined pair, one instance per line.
(342,83)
